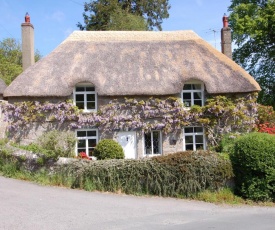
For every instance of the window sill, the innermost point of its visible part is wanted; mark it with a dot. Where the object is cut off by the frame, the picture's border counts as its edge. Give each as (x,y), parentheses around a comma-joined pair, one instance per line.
(151,155)
(88,111)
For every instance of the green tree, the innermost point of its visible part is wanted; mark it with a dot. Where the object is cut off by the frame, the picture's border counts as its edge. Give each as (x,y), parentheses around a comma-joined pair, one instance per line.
(11,59)
(124,14)
(121,20)
(253,26)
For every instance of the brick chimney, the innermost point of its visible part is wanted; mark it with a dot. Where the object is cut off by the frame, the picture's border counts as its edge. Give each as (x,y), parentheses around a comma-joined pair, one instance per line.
(27,42)
(226,38)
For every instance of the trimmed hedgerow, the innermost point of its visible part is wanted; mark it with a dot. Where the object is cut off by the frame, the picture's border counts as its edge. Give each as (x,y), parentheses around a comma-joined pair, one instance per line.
(108,149)
(253,161)
(182,174)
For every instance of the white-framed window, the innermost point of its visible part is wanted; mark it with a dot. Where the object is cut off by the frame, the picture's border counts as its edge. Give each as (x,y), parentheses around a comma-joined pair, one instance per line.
(85,97)
(193,94)
(87,140)
(153,143)
(193,138)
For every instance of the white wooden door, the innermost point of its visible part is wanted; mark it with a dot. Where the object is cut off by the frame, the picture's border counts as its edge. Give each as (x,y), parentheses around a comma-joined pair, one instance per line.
(128,142)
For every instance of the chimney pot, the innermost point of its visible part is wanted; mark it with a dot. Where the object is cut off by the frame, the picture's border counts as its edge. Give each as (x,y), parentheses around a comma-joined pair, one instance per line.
(225,21)
(27,18)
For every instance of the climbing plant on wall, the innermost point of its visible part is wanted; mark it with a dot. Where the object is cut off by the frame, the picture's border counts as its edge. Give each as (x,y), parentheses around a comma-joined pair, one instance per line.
(220,115)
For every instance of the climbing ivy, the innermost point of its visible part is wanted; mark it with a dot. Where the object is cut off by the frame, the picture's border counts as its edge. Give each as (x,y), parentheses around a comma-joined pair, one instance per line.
(221,114)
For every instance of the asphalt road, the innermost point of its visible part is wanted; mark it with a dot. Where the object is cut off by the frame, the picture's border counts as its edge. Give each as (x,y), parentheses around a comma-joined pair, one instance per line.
(28,206)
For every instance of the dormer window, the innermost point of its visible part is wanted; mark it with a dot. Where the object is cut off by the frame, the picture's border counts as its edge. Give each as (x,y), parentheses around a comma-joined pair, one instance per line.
(85,97)
(193,94)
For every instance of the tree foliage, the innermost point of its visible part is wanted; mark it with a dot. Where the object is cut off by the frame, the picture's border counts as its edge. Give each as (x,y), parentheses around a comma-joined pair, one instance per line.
(11,59)
(253,25)
(124,14)
(121,20)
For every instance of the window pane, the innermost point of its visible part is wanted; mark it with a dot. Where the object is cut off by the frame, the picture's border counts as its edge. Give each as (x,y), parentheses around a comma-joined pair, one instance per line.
(199,139)
(189,139)
(188,130)
(148,144)
(155,136)
(199,146)
(91,151)
(156,142)
(79,150)
(79,97)
(197,95)
(198,129)
(189,147)
(79,89)
(187,103)
(91,133)
(80,105)
(90,88)
(81,133)
(81,144)
(90,97)
(91,105)
(198,102)
(186,96)
(196,86)
(187,87)
(91,143)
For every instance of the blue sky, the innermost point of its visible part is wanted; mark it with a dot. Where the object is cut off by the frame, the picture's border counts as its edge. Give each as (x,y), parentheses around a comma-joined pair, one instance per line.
(54,20)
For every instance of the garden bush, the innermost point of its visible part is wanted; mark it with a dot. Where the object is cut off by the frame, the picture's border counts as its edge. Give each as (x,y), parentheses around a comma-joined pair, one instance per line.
(108,149)
(181,174)
(253,162)
(227,142)
(61,143)
(52,145)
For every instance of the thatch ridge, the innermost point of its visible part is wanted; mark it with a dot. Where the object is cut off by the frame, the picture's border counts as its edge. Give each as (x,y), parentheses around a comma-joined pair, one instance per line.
(101,36)
(132,64)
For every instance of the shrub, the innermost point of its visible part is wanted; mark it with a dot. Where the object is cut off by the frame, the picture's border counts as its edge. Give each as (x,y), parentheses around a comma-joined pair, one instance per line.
(52,145)
(266,119)
(62,144)
(36,148)
(253,161)
(266,114)
(3,141)
(197,170)
(227,142)
(181,174)
(108,149)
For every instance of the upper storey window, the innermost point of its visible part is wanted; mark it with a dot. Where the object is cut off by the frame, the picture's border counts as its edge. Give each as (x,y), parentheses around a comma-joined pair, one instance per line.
(193,94)
(85,97)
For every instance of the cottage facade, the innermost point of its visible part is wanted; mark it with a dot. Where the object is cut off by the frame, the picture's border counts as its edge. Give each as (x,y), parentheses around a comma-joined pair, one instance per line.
(93,68)
(3,86)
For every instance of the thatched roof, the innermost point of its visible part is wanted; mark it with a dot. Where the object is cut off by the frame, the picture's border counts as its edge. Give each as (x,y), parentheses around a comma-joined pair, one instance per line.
(3,86)
(132,63)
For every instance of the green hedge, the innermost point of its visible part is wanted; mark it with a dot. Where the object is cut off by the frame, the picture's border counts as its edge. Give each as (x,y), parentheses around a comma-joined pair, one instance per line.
(182,174)
(253,161)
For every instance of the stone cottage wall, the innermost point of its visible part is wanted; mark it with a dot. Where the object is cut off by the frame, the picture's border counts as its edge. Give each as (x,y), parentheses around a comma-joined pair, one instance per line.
(36,129)
(3,125)
(170,142)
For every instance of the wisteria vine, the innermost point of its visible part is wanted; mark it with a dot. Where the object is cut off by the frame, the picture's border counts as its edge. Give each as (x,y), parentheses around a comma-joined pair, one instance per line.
(220,115)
